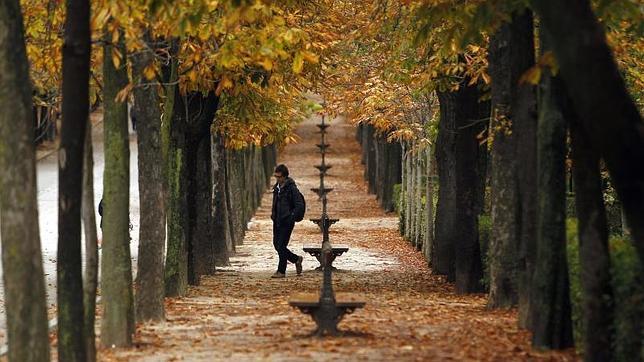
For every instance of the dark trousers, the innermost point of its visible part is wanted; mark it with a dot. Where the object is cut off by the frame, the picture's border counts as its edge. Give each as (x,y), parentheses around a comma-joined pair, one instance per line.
(281,236)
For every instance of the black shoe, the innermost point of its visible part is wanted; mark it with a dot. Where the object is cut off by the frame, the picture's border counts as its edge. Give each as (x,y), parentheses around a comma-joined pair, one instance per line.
(298,265)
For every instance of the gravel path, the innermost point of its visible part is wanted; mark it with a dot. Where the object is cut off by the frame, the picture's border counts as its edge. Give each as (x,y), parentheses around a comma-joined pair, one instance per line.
(242,314)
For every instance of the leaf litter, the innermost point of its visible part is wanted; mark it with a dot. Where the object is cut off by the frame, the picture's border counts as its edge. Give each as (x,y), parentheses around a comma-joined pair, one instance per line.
(240,313)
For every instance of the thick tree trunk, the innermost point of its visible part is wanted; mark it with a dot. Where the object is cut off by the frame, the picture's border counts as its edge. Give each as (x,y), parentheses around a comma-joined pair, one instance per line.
(594,256)
(176,262)
(75,111)
(201,112)
(469,177)
(550,297)
(150,289)
(513,127)
(117,323)
(607,112)
(460,191)
(90,283)
(392,174)
(24,282)
(446,218)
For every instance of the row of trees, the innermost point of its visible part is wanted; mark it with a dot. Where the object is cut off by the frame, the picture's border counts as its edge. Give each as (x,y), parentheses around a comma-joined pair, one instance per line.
(500,122)
(215,88)
(211,77)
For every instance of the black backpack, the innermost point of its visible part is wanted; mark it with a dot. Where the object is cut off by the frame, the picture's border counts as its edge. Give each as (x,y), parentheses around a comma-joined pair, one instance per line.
(298,215)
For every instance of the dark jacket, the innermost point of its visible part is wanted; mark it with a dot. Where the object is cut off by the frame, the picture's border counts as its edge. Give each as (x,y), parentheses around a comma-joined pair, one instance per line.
(285,202)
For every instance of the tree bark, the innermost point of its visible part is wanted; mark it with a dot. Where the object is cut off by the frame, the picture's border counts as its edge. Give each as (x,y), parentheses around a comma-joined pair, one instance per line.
(446,218)
(469,176)
(201,112)
(24,282)
(379,175)
(117,323)
(235,190)
(594,258)
(176,262)
(371,160)
(608,115)
(418,193)
(392,174)
(460,191)
(513,126)
(90,283)
(402,203)
(407,194)
(75,109)
(550,298)
(429,206)
(150,289)
(221,239)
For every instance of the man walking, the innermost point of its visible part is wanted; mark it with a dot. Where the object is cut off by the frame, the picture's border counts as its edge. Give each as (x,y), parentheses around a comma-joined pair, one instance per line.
(286,204)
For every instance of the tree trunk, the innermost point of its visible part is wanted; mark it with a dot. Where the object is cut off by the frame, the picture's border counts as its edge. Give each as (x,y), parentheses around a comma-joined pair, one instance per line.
(90,284)
(228,217)
(402,203)
(418,194)
(608,115)
(24,282)
(460,191)
(371,160)
(176,262)
(149,279)
(408,190)
(235,206)
(550,298)
(229,196)
(429,207)
(117,323)
(201,112)
(524,111)
(446,218)
(364,139)
(413,192)
(469,177)
(392,174)
(75,109)
(594,258)
(379,175)
(513,127)
(221,239)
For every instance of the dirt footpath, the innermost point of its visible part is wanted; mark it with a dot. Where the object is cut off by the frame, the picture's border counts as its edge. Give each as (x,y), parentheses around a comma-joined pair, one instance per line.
(242,314)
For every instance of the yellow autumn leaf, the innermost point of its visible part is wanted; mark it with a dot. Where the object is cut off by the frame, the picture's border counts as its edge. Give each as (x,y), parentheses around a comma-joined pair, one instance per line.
(192,75)
(149,72)
(298,63)
(115,35)
(267,64)
(310,56)
(224,83)
(531,76)
(116,57)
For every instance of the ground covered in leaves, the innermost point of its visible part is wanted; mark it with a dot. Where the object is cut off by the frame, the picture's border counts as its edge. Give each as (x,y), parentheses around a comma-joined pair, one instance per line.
(242,314)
